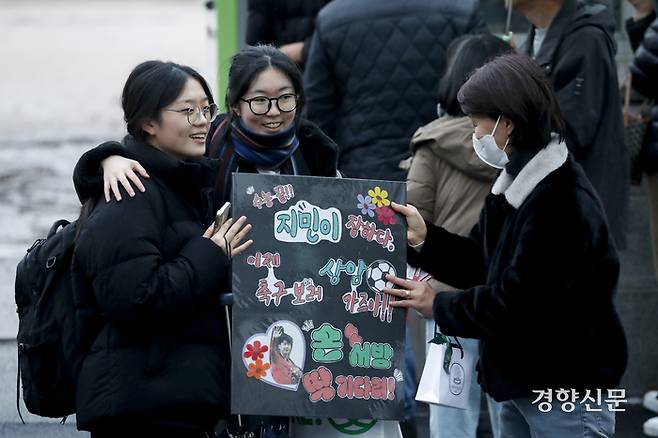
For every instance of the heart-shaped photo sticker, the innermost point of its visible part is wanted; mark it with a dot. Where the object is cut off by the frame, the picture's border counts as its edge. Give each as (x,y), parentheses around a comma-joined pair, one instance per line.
(277,356)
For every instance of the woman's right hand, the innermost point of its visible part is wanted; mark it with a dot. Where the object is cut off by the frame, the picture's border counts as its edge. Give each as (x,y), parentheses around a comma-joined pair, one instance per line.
(231,233)
(416,228)
(118,169)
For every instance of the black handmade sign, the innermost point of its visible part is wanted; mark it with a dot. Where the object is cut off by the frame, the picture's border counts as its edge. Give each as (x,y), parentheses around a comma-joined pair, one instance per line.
(313,333)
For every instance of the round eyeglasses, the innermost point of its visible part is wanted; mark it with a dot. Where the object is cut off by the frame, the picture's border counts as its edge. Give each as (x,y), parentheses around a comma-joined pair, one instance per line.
(261,105)
(194,113)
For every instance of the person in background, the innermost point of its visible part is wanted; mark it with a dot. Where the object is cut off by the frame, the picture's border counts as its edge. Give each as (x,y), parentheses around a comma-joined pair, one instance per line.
(287,24)
(573,42)
(448,183)
(642,29)
(372,72)
(160,365)
(537,275)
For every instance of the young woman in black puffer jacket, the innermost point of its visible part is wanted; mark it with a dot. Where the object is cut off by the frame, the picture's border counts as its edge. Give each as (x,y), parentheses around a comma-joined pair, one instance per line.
(160,364)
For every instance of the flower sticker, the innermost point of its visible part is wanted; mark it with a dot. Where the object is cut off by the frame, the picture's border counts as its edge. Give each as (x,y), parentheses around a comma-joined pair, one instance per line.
(386,215)
(255,350)
(379,197)
(258,369)
(365,205)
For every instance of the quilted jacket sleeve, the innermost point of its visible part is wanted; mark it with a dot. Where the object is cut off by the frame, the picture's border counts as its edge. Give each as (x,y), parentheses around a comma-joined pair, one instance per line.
(259,25)
(319,84)
(121,250)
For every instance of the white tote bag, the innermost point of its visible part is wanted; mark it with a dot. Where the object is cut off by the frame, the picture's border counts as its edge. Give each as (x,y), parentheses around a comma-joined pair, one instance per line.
(448,382)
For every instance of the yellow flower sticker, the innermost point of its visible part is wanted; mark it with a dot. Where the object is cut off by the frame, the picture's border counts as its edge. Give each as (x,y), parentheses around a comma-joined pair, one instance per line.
(379,197)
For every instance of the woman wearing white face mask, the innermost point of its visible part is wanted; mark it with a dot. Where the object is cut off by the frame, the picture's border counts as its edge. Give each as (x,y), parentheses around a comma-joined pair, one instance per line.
(486,147)
(537,274)
(448,184)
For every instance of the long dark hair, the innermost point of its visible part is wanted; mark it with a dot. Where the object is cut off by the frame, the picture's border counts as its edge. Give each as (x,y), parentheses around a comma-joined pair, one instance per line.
(465,54)
(249,63)
(516,87)
(151,86)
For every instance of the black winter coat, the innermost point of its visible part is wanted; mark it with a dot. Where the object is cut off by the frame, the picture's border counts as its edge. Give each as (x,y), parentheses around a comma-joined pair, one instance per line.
(645,80)
(372,74)
(578,54)
(162,357)
(538,275)
(280,22)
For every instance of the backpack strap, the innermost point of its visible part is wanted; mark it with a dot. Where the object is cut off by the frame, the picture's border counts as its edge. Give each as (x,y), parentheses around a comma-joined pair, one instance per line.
(53,229)
(18,385)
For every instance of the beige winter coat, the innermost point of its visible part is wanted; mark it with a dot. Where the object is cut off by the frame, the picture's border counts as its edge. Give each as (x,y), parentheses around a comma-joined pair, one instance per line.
(447,182)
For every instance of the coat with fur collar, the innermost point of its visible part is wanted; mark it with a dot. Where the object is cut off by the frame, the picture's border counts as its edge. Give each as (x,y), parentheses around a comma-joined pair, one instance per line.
(538,275)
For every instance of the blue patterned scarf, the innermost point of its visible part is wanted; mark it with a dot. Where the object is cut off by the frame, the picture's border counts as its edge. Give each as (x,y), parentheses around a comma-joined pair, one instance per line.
(262,150)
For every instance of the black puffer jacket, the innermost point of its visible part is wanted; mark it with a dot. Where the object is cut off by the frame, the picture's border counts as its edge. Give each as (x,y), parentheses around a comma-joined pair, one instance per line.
(645,80)
(539,275)
(372,74)
(280,22)
(162,357)
(578,54)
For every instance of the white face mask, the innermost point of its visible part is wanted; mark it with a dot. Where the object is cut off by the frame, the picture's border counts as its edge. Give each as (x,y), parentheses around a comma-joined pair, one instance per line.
(488,151)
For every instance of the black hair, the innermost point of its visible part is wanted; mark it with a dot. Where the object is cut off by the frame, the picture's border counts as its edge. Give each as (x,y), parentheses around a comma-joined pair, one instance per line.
(281,339)
(151,86)
(251,61)
(514,86)
(465,54)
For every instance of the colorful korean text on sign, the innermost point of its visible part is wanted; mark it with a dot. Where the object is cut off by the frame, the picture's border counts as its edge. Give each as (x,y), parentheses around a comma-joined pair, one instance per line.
(313,333)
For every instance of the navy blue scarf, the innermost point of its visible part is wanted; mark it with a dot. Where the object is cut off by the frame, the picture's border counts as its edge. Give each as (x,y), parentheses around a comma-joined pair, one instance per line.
(261,150)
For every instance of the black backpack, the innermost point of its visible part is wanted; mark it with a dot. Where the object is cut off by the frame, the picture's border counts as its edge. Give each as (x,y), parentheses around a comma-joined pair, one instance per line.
(57,322)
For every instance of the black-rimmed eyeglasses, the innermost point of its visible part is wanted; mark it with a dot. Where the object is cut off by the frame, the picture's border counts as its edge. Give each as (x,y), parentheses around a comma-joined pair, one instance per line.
(261,105)
(209,113)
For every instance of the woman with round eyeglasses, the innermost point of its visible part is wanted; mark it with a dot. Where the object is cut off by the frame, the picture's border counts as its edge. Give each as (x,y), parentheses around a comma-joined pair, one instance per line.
(263,131)
(156,265)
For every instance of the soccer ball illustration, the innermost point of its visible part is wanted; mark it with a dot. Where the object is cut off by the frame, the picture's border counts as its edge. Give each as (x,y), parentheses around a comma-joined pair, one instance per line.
(376,275)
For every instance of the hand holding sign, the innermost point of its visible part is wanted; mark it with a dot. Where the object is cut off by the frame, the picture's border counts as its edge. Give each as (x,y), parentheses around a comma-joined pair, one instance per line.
(417,295)
(229,236)
(416,228)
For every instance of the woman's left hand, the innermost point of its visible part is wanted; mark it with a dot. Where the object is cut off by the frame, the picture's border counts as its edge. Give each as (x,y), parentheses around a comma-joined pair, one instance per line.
(417,295)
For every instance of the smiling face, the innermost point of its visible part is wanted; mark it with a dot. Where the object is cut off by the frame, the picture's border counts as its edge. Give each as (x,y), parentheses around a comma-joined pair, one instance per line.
(270,83)
(284,348)
(172,133)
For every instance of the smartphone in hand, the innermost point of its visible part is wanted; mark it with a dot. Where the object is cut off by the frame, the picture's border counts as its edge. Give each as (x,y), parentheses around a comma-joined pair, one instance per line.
(221,216)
